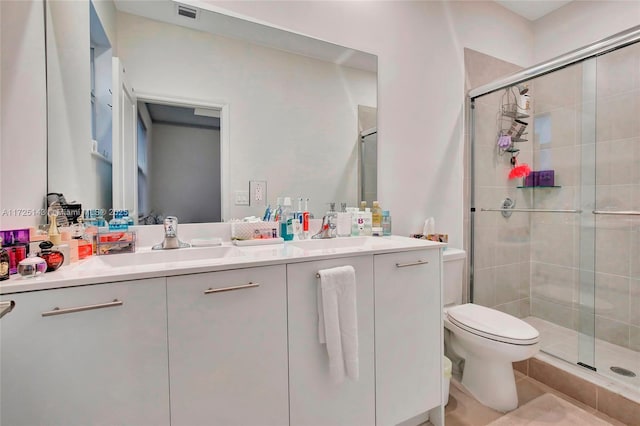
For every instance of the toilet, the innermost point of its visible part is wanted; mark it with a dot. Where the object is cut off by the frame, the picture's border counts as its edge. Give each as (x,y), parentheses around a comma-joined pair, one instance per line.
(488,340)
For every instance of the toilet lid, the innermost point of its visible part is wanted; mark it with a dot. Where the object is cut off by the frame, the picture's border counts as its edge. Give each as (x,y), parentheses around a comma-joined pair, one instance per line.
(493,324)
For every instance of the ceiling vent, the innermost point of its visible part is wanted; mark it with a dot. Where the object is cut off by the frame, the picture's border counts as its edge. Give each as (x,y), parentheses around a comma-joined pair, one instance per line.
(187,12)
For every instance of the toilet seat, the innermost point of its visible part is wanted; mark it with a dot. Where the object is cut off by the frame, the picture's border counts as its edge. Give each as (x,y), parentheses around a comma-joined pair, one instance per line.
(492,324)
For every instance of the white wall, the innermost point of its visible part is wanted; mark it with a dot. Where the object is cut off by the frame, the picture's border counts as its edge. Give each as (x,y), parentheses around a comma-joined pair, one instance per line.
(293,119)
(72,170)
(23,160)
(581,23)
(106,11)
(420,88)
(185,177)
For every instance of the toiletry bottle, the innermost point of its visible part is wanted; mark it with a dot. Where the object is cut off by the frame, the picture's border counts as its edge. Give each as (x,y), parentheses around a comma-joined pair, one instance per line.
(128,219)
(386,223)
(118,223)
(344,221)
(4,263)
(354,221)
(54,234)
(376,215)
(363,205)
(305,220)
(360,221)
(286,220)
(367,228)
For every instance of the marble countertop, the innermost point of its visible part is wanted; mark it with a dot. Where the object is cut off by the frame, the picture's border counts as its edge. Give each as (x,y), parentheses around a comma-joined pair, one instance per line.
(146,263)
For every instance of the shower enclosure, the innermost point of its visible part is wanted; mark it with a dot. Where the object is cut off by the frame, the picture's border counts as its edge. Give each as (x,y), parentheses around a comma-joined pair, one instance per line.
(560,248)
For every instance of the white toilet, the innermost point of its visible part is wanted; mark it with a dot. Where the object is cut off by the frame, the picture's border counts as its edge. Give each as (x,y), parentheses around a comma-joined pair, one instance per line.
(487,339)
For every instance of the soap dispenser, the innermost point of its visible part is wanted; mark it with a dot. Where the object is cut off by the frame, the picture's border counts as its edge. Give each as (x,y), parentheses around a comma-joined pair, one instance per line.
(332,219)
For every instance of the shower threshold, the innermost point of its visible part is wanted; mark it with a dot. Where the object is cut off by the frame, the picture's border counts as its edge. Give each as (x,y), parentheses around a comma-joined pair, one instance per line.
(561,342)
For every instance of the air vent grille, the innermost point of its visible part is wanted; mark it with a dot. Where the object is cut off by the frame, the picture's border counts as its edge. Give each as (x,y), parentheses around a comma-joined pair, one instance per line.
(187,12)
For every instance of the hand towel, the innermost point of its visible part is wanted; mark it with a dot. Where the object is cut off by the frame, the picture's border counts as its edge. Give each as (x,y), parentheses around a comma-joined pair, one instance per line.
(337,321)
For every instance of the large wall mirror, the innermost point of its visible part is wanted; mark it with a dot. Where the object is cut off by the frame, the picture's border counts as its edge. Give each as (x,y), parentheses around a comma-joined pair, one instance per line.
(165,108)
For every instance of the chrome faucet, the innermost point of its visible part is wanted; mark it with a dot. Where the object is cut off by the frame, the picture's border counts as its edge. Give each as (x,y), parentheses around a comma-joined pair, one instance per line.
(171,240)
(328,228)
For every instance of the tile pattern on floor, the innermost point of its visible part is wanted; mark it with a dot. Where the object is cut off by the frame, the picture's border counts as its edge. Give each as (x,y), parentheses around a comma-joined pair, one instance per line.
(464,410)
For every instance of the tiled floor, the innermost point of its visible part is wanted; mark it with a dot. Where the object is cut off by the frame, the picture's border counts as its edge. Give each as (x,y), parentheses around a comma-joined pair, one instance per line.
(464,410)
(563,343)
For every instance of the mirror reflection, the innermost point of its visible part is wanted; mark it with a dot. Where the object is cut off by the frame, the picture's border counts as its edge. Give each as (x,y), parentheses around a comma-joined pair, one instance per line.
(289,111)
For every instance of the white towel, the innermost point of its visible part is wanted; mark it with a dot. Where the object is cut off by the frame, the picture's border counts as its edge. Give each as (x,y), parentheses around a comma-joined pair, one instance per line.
(338,322)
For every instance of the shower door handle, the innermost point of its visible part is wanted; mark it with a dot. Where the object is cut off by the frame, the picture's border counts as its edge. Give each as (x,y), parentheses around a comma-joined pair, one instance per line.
(618,212)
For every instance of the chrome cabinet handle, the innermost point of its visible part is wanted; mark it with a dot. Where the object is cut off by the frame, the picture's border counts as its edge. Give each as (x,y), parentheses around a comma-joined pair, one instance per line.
(6,307)
(237,287)
(58,311)
(618,212)
(419,262)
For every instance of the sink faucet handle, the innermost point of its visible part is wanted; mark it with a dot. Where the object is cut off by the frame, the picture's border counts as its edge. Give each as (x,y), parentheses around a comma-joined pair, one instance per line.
(171,226)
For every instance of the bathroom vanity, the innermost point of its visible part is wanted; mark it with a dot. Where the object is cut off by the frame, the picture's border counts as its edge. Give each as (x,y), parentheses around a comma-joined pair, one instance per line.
(223,336)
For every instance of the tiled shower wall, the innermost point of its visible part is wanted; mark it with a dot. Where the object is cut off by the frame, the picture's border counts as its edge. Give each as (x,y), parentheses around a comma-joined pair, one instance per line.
(530,263)
(502,246)
(557,100)
(617,276)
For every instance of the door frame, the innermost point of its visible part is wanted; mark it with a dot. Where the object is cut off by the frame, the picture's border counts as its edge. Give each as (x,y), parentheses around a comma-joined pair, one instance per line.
(225,150)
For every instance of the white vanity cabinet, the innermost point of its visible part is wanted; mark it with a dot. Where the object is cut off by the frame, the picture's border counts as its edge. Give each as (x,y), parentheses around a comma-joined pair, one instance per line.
(92,355)
(408,336)
(228,347)
(314,398)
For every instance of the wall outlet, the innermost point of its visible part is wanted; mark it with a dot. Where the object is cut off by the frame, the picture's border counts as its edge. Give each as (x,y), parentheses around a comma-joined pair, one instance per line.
(258,193)
(242,198)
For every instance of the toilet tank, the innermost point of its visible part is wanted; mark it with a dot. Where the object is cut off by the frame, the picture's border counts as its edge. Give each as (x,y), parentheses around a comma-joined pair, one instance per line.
(452,275)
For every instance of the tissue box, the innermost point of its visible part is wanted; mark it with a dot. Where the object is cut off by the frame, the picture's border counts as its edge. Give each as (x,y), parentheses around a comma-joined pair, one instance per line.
(253,230)
(545,178)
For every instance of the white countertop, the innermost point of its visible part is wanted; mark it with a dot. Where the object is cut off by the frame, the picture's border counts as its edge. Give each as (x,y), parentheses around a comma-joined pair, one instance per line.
(135,266)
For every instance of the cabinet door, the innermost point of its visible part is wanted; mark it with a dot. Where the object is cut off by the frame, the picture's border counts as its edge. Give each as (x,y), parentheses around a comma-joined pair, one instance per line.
(408,316)
(314,398)
(105,365)
(228,349)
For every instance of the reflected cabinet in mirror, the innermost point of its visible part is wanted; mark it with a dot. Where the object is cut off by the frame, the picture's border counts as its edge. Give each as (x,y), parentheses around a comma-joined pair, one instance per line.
(164,108)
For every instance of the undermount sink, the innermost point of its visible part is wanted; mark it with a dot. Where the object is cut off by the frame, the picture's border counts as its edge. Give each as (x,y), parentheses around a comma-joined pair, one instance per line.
(351,243)
(170,256)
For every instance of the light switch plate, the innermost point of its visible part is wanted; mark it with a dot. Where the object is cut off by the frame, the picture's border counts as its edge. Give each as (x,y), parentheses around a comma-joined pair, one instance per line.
(242,198)
(258,193)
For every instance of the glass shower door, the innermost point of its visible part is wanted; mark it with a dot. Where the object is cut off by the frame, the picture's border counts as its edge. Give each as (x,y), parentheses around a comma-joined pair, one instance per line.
(617,215)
